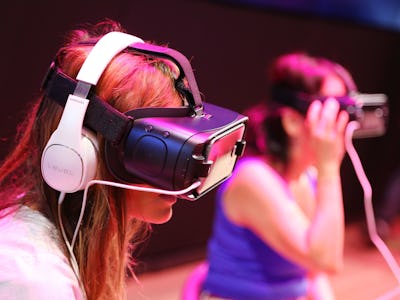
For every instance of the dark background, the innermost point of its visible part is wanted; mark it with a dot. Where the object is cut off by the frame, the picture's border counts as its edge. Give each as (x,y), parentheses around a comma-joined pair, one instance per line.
(230,43)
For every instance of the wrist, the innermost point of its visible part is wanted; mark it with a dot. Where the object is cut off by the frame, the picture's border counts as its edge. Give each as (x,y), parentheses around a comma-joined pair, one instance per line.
(328,171)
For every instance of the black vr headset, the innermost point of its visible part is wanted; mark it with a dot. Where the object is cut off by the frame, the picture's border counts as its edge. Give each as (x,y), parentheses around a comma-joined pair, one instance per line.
(369,110)
(168,148)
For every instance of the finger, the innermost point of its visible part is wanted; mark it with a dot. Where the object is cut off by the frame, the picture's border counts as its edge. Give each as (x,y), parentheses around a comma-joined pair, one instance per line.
(342,121)
(313,113)
(329,114)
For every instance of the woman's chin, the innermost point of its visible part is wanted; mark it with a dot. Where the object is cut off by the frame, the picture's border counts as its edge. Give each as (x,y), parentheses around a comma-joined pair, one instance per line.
(151,208)
(161,218)
(162,212)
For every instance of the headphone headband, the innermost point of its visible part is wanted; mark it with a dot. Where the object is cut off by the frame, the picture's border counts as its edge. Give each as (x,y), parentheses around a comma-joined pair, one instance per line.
(102,53)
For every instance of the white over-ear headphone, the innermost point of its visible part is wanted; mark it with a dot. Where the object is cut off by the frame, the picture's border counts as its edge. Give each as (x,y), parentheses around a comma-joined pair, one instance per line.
(69,160)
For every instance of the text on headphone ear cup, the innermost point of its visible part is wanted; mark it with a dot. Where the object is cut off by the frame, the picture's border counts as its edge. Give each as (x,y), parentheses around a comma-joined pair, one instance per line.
(67,169)
(68,158)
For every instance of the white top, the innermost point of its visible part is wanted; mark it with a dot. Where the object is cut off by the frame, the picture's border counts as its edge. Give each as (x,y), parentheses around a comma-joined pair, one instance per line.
(32,264)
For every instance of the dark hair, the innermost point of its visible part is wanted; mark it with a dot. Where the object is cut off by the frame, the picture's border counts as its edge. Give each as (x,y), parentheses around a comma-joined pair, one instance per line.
(297,72)
(265,134)
(301,72)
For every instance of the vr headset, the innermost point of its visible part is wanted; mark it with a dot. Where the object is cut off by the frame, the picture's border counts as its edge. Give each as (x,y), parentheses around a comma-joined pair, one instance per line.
(167,148)
(369,110)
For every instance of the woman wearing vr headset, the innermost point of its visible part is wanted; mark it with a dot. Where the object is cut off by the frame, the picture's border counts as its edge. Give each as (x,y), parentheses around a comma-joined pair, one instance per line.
(34,259)
(279,224)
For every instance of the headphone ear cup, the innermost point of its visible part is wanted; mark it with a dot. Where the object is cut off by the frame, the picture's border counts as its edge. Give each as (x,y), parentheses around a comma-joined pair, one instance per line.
(90,150)
(67,168)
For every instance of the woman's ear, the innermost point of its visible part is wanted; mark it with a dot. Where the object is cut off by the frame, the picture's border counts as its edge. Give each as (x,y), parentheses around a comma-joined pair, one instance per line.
(292,122)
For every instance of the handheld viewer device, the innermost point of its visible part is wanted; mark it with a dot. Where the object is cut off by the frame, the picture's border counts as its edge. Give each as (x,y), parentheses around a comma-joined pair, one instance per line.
(371,111)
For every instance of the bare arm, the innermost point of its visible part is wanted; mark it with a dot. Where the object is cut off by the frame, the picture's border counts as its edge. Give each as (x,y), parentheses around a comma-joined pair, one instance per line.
(327,126)
(258,198)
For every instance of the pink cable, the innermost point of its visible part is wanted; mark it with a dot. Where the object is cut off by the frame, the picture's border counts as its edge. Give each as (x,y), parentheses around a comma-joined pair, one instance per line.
(369,211)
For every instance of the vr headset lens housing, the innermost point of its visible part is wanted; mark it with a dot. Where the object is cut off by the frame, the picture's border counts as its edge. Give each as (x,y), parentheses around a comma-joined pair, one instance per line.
(371,111)
(173,152)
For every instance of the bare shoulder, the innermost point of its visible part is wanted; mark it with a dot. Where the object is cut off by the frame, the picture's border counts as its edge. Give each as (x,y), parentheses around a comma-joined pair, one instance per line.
(254,170)
(254,188)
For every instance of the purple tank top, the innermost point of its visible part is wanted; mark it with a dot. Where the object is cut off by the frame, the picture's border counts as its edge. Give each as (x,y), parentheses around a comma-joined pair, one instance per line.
(243,267)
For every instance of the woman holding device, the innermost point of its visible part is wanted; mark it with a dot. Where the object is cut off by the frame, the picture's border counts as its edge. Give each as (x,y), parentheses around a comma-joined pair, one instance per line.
(279,222)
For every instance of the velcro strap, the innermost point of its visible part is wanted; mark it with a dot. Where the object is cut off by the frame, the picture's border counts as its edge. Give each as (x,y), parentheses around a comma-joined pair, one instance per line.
(100,116)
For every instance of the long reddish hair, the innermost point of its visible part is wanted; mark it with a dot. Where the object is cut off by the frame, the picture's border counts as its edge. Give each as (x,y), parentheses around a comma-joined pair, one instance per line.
(106,238)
